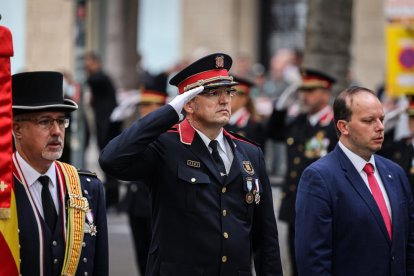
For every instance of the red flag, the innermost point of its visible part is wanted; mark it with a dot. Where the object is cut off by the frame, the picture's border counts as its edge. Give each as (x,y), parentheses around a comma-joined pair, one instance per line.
(9,237)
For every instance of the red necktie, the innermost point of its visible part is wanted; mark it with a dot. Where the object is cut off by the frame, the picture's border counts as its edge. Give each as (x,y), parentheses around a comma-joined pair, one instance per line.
(377,194)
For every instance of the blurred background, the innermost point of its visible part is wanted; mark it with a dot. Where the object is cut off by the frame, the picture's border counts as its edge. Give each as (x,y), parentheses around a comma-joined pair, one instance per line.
(364,42)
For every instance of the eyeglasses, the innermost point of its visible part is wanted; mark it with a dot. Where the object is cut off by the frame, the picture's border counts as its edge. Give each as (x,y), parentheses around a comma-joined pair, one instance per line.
(47,123)
(216,93)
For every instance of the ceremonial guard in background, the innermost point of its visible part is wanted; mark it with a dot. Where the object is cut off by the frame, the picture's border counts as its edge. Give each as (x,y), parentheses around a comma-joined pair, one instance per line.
(61,210)
(137,199)
(212,207)
(308,136)
(243,120)
(403,151)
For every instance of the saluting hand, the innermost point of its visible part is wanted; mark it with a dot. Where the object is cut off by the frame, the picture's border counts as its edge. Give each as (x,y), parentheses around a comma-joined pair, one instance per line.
(180,100)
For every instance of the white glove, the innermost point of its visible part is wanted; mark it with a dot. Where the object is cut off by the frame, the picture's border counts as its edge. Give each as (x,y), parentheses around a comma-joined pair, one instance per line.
(287,98)
(392,117)
(180,100)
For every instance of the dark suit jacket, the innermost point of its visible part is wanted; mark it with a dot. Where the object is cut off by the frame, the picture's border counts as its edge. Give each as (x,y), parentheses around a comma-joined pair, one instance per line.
(202,224)
(94,256)
(339,228)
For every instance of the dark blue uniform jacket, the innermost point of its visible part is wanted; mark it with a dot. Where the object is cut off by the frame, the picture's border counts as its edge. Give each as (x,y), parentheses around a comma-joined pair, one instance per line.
(202,224)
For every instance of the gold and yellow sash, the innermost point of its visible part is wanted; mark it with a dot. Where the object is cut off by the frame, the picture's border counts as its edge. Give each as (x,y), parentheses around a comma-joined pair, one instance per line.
(77,208)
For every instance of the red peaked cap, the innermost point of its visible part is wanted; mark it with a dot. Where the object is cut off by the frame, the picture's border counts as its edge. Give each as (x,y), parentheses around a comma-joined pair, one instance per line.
(209,71)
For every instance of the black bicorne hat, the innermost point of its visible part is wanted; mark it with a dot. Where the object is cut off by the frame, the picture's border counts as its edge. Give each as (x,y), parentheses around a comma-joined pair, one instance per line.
(39,91)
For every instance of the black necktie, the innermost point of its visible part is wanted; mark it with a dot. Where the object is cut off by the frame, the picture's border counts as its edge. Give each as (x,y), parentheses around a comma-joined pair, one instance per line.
(49,210)
(217,159)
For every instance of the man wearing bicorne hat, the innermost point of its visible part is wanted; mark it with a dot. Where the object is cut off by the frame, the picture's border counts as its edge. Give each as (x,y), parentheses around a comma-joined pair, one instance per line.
(212,208)
(308,136)
(61,210)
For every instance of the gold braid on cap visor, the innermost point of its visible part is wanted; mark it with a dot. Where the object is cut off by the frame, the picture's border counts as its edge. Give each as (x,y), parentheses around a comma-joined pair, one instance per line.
(207,81)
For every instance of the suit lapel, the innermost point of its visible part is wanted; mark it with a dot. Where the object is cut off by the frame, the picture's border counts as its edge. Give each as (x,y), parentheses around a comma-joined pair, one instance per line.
(359,185)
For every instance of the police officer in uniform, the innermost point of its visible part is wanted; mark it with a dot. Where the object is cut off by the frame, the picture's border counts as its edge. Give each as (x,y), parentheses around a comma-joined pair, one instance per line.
(137,199)
(212,208)
(309,136)
(61,210)
(243,120)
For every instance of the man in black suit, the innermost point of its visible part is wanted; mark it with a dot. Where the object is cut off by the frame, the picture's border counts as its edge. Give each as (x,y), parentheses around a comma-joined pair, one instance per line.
(212,208)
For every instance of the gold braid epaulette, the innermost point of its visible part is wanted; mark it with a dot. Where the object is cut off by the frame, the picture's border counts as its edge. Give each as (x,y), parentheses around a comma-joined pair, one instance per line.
(77,208)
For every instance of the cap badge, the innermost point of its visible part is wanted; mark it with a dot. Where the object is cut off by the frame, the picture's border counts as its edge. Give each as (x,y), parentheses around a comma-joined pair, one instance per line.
(219,61)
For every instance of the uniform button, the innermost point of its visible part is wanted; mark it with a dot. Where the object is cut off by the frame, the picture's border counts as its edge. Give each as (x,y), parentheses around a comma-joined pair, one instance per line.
(85,192)
(86,273)
(54,243)
(224,259)
(85,260)
(293,174)
(55,261)
(223,190)
(193,180)
(83,244)
(292,187)
(134,188)
(290,141)
(225,235)
(296,160)
(88,179)
(224,212)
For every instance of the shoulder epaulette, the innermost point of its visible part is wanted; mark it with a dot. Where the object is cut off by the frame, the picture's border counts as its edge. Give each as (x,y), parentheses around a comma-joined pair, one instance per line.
(243,138)
(86,172)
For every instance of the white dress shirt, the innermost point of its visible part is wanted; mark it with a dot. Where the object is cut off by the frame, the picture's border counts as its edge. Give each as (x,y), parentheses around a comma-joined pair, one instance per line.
(359,163)
(35,187)
(223,148)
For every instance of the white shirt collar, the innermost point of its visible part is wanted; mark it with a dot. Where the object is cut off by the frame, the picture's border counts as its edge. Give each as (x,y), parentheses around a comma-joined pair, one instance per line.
(356,160)
(219,138)
(315,118)
(31,175)
(236,115)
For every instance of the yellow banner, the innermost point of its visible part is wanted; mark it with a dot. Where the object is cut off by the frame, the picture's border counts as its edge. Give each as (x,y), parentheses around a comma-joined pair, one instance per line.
(400,59)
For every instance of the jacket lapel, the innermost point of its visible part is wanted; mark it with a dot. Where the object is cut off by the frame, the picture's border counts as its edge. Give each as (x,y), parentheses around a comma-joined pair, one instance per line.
(235,170)
(359,185)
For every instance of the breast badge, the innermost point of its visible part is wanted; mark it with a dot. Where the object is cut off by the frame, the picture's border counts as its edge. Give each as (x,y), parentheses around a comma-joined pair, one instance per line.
(247,166)
(194,164)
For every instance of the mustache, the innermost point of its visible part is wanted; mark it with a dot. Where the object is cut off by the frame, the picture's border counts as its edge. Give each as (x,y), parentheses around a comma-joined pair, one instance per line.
(55,140)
